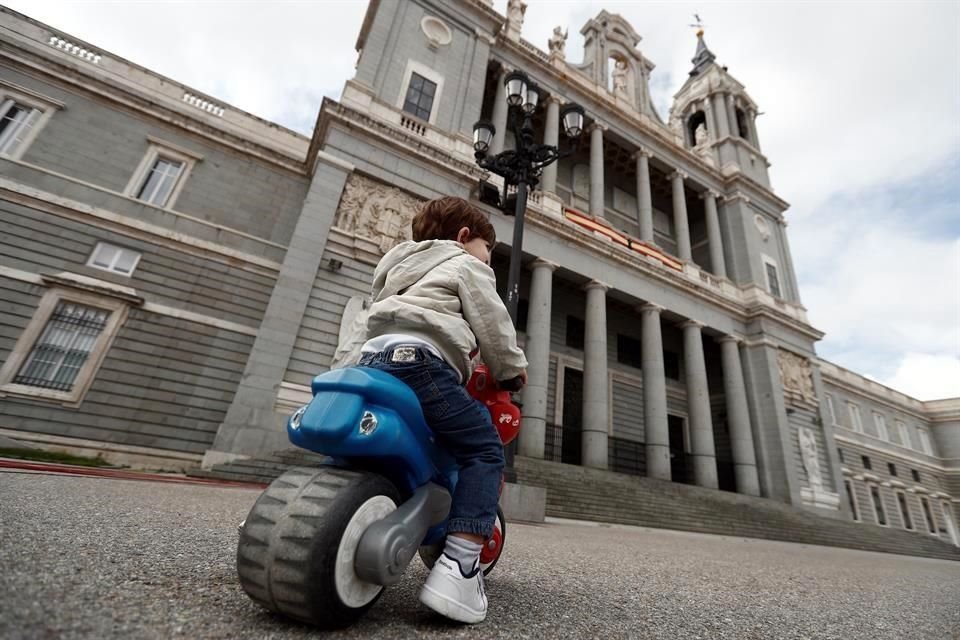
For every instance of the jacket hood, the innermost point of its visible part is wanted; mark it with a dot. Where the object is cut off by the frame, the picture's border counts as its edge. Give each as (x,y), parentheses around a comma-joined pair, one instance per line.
(408,262)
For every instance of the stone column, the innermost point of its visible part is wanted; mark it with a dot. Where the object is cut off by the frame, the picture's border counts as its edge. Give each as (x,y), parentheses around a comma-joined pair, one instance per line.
(595,394)
(644,197)
(752,120)
(698,407)
(596,169)
(680,224)
(713,234)
(551,136)
(537,348)
(738,417)
(711,120)
(656,434)
(499,117)
(720,113)
(732,116)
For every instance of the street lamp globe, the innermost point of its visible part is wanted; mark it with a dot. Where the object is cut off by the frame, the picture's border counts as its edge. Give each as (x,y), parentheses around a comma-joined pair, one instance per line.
(483,132)
(532,97)
(516,84)
(572,118)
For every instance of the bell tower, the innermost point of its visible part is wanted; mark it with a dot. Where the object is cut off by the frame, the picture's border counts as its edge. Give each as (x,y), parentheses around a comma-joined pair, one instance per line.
(715,118)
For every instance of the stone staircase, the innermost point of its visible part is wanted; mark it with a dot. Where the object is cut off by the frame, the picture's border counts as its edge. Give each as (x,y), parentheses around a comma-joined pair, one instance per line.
(261,470)
(589,494)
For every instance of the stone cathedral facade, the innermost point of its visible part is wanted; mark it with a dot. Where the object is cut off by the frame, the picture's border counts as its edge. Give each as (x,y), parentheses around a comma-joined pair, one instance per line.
(174,271)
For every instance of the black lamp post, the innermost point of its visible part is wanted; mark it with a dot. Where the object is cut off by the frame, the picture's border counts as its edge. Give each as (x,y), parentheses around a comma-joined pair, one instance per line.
(521,167)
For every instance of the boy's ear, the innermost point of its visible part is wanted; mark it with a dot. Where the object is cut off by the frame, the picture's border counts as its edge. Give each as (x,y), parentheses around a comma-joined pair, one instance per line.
(463,235)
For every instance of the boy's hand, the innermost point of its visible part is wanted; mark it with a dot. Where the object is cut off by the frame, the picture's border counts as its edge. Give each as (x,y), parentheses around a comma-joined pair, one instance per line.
(523,378)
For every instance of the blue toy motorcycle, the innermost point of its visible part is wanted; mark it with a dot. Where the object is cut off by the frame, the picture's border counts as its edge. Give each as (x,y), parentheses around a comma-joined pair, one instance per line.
(320,544)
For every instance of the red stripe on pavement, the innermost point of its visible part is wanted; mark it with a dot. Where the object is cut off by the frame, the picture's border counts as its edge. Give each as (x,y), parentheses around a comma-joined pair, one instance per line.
(119,474)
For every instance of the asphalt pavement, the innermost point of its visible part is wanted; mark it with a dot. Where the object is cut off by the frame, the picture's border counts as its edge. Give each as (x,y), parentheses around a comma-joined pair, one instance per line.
(100,558)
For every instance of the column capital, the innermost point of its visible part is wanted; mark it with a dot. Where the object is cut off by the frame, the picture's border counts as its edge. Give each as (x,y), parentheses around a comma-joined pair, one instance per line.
(692,323)
(642,151)
(555,99)
(683,175)
(596,284)
(709,193)
(596,124)
(540,263)
(650,306)
(730,338)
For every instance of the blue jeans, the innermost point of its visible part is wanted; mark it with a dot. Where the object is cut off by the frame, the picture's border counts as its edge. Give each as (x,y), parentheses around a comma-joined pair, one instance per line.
(461,426)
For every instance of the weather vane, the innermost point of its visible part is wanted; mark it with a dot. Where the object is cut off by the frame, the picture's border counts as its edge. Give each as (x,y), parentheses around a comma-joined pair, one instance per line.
(698,25)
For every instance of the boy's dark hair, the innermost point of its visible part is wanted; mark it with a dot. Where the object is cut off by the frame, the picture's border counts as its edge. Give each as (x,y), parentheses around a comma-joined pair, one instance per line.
(442,218)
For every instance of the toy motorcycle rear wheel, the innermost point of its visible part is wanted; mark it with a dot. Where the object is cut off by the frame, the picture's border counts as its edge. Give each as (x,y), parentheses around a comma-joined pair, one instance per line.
(430,553)
(297,545)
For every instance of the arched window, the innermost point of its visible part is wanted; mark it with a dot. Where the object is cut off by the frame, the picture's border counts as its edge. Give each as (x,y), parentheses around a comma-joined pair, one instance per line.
(743,129)
(697,119)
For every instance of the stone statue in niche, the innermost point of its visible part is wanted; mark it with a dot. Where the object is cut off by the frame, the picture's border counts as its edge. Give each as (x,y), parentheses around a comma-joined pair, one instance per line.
(700,135)
(808,455)
(515,12)
(373,210)
(620,70)
(796,376)
(558,44)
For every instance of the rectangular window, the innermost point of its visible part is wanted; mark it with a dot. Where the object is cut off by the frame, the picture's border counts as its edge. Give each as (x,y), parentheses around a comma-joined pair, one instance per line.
(852,499)
(16,123)
(840,453)
(928,515)
(419,98)
(892,468)
(880,422)
(855,423)
(671,365)
(628,351)
(575,332)
(915,474)
(160,181)
(904,511)
(63,347)
(832,413)
(773,279)
(925,444)
(878,509)
(112,258)
(902,433)
(866,463)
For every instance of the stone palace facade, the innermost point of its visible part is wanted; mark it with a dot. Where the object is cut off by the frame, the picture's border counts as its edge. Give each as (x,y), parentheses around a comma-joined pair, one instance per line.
(174,271)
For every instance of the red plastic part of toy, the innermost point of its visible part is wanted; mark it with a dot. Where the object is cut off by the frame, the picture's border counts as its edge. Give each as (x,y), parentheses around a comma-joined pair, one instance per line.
(492,547)
(505,414)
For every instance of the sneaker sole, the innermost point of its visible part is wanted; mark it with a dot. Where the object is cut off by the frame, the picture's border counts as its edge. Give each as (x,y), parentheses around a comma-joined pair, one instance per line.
(450,608)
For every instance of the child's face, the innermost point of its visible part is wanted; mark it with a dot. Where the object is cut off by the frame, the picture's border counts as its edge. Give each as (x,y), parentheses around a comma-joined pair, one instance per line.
(479,249)
(477,246)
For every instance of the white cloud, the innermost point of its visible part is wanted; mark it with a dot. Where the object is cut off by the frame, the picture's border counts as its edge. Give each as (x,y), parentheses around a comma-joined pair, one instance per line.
(927,377)
(858,99)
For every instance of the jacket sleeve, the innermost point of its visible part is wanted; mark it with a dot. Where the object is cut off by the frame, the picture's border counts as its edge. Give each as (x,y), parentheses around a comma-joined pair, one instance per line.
(353,335)
(489,320)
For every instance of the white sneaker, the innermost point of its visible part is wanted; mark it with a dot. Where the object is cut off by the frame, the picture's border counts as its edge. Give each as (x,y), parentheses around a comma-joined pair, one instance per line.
(454,595)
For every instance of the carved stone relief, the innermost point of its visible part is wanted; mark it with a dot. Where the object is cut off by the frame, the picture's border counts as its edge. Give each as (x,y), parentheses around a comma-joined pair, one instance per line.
(373,210)
(808,455)
(796,377)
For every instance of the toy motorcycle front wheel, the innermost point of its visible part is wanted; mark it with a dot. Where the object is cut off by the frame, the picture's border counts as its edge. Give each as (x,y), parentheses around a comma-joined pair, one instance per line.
(297,545)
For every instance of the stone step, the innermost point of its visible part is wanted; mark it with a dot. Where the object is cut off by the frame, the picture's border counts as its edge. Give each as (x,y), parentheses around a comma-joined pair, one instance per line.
(588,494)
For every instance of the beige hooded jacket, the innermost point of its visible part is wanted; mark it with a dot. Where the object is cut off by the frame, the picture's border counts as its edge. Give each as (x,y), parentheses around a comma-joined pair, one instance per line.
(436,291)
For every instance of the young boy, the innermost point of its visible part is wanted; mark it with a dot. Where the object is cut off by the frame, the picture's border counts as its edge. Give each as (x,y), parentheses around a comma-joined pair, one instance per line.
(434,305)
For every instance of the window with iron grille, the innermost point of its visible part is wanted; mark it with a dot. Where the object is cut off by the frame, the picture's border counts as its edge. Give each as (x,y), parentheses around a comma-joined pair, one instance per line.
(852,500)
(63,347)
(879,510)
(419,98)
(928,515)
(16,122)
(904,511)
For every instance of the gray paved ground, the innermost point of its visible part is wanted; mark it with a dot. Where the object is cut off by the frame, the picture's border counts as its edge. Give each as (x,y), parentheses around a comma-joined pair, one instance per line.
(96,558)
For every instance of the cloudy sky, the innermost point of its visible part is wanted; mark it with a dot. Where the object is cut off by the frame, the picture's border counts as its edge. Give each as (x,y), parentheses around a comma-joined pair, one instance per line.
(861,121)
